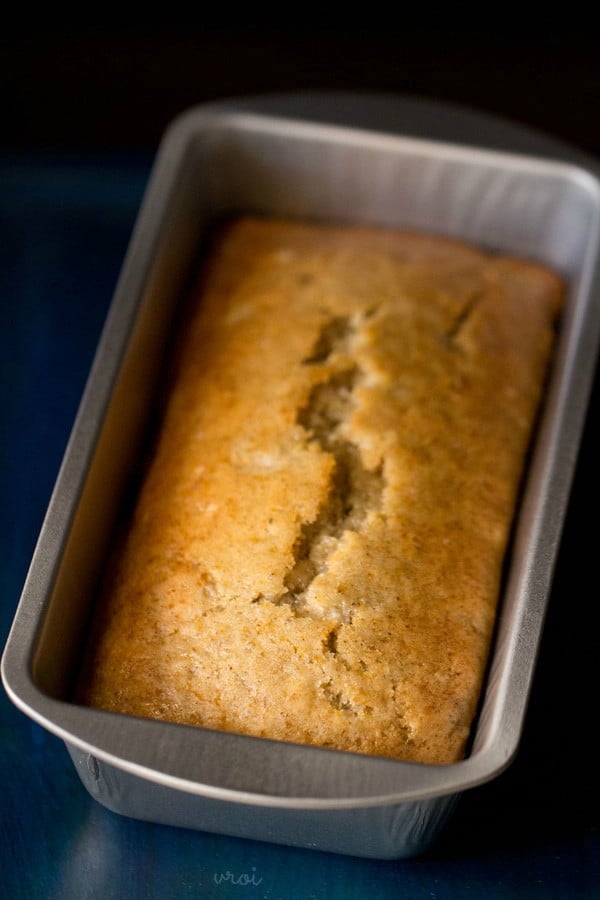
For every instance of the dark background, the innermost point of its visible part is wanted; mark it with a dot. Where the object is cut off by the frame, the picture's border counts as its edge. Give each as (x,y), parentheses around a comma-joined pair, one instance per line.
(115,89)
(77,95)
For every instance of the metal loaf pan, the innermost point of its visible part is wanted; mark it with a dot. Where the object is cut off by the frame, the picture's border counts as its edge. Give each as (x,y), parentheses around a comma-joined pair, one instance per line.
(214,162)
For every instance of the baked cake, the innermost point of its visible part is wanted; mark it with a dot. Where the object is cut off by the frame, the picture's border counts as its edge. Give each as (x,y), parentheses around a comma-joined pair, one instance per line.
(316,551)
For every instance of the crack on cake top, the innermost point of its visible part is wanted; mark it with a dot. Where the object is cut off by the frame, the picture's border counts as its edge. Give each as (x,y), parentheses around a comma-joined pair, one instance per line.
(460,320)
(354,491)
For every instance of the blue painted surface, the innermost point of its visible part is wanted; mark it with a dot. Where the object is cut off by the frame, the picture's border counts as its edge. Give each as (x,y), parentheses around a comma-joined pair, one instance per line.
(532,833)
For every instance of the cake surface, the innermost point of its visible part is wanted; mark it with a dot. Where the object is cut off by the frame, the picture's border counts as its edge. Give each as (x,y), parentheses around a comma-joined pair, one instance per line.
(315,554)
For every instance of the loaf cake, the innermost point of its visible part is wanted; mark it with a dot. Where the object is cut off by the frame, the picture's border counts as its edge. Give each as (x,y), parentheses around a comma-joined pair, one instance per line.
(316,550)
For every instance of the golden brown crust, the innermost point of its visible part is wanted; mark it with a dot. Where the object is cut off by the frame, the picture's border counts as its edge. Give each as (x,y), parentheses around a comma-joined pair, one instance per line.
(316,551)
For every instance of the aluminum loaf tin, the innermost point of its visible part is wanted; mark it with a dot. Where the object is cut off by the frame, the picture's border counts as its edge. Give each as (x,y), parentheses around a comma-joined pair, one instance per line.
(211,163)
